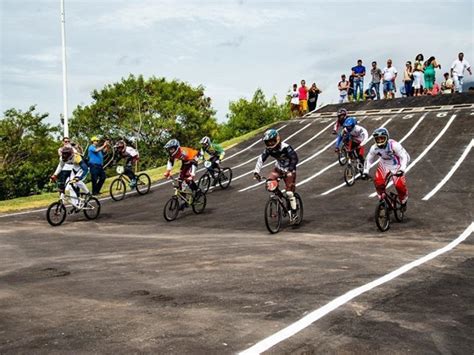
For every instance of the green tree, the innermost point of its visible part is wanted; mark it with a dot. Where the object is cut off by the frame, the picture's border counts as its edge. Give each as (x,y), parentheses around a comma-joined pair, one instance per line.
(28,153)
(246,116)
(147,113)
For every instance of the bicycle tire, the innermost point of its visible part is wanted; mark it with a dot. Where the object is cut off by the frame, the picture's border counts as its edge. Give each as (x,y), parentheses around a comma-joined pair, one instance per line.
(299,209)
(204,183)
(382,216)
(225,178)
(199,202)
(273,215)
(349,175)
(171,209)
(342,157)
(56,214)
(117,189)
(92,208)
(143,184)
(397,211)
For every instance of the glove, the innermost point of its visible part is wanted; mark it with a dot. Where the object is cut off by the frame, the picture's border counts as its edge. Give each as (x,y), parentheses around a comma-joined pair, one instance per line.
(167,174)
(53,178)
(399,173)
(334,131)
(257,176)
(289,174)
(336,150)
(75,180)
(364,176)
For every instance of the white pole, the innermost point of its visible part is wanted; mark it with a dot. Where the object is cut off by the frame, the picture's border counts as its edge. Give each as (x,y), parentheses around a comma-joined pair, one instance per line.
(63,40)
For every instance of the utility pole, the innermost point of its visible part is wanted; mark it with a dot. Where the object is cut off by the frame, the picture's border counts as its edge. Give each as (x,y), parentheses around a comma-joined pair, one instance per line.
(63,40)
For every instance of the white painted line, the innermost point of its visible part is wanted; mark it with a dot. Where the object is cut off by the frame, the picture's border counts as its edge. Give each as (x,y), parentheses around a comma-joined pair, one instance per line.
(427,149)
(312,317)
(451,172)
(401,140)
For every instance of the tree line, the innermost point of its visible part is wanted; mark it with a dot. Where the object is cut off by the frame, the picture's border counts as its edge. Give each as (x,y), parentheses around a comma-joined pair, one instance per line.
(144,112)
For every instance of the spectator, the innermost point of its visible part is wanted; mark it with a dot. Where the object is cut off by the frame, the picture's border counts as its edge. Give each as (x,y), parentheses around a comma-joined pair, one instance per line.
(358,72)
(350,93)
(303,91)
(430,74)
(418,75)
(376,77)
(96,164)
(370,94)
(389,76)
(343,87)
(436,89)
(457,71)
(66,170)
(402,91)
(313,97)
(447,86)
(294,101)
(408,79)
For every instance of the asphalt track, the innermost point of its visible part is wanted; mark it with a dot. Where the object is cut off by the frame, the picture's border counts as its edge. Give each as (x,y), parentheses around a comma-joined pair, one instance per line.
(219,283)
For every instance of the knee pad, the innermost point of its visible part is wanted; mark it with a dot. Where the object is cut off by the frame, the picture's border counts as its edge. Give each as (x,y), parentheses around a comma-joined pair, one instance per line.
(290,194)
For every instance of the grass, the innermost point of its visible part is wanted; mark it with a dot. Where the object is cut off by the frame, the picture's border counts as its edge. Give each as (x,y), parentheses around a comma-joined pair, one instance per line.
(156,174)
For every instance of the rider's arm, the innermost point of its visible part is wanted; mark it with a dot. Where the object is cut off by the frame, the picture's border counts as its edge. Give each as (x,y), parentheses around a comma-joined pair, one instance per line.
(402,154)
(293,158)
(261,159)
(169,164)
(339,139)
(59,167)
(369,159)
(364,135)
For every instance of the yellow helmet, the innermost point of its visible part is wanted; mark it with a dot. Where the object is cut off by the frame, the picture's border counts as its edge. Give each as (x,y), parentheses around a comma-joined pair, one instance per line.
(94,139)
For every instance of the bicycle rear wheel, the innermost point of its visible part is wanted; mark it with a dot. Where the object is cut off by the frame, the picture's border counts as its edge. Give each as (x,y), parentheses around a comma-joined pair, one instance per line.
(225,178)
(143,183)
(299,210)
(382,216)
(204,183)
(199,202)
(117,189)
(92,208)
(342,158)
(349,175)
(56,214)
(171,209)
(273,215)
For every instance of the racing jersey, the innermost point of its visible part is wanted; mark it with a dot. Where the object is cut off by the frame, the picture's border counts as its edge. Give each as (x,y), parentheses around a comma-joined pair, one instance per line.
(285,155)
(358,135)
(213,149)
(79,166)
(394,157)
(185,154)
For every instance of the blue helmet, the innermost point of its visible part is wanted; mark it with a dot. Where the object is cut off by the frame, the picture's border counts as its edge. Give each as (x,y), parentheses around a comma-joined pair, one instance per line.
(381,137)
(350,123)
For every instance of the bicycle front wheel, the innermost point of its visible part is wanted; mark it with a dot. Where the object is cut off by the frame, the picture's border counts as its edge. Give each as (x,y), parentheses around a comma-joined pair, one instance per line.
(204,183)
(199,202)
(225,178)
(397,211)
(299,210)
(382,216)
(92,208)
(143,184)
(117,189)
(273,216)
(342,158)
(349,175)
(56,214)
(171,209)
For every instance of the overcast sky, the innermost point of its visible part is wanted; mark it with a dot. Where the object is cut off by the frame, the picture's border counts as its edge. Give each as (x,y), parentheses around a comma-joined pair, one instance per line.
(230,47)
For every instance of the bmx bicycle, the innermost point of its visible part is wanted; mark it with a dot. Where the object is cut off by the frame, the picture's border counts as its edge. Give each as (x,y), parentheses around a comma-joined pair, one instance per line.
(213,176)
(278,206)
(354,167)
(118,187)
(88,204)
(183,198)
(388,203)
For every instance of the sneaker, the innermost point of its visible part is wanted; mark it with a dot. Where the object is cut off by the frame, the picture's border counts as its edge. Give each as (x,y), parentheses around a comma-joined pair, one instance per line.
(133,183)
(214,182)
(293,216)
(183,206)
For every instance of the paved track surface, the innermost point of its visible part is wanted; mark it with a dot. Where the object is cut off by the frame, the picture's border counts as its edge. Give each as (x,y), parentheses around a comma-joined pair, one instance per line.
(219,283)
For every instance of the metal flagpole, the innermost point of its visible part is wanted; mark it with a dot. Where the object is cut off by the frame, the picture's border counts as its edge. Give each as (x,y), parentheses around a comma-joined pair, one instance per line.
(63,40)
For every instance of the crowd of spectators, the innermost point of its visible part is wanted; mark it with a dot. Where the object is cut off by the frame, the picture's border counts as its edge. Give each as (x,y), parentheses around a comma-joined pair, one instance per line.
(419,78)
(302,99)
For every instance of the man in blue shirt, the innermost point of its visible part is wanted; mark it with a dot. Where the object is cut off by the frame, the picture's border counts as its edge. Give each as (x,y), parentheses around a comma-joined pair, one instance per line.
(96,164)
(359,73)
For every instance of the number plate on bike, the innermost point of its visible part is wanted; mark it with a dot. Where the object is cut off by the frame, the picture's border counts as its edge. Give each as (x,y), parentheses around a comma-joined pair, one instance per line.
(119,169)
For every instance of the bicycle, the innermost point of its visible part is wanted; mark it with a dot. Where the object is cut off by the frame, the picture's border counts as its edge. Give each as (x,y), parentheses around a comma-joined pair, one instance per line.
(278,206)
(388,203)
(354,167)
(185,196)
(118,186)
(223,176)
(88,204)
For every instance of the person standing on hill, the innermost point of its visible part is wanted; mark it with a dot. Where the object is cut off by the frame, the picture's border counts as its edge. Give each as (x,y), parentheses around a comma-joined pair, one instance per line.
(343,87)
(457,71)
(358,72)
(313,97)
(376,78)
(389,77)
(303,96)
(418,75)
(408,79)
(96,164)
(430,74)
(294,101)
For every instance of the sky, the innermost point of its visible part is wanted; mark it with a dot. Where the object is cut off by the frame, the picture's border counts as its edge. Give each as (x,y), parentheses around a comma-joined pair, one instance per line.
(229,47)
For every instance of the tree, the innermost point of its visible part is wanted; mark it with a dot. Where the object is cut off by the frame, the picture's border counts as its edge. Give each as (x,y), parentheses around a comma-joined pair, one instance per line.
(147,113)
(28,152)
(246,116)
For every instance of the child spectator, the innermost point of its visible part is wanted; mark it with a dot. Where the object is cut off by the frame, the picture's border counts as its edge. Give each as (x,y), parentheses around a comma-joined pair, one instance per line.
(447,86)
(350,93)
(343,87)
(370,94)
(294,101)
(389,76)
(313,97)
(303,96)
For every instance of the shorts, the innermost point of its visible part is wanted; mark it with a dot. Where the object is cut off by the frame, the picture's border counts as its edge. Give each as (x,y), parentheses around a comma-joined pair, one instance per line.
(417,75)
(304,105)
(388,86)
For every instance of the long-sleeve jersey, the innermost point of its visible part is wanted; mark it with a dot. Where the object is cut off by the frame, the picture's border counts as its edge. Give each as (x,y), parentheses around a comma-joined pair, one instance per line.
(213,149)
(79,166)
(186,155)
(286,158)
(393,157)
(358,135)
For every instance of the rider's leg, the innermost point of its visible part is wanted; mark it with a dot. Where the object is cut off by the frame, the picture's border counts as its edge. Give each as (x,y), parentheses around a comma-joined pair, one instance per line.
(290,185)
(401,186)
(360,153)
(379,180)
(187,173)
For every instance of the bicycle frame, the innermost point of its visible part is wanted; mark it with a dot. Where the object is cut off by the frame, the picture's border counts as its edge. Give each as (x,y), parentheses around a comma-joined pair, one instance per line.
(179,191)
(280,195)
(67,199)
